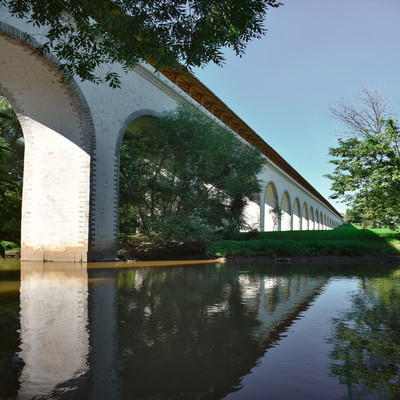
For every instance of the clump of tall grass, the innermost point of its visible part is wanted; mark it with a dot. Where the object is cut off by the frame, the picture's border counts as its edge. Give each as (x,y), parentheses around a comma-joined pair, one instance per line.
(344,241)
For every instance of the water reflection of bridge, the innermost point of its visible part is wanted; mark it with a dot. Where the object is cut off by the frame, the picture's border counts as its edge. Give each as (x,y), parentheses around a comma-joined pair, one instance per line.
(278,300)
(143,333)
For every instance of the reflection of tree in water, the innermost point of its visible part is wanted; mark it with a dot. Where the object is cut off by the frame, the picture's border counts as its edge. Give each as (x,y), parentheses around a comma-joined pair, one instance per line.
(179,337)
(366,353)
(10,364)
(192,333)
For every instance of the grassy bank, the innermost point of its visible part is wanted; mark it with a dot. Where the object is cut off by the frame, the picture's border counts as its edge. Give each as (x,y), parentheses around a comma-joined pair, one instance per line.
(346,240)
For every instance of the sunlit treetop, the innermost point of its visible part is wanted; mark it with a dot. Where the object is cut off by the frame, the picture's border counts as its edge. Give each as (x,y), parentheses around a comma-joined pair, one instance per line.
(86,33)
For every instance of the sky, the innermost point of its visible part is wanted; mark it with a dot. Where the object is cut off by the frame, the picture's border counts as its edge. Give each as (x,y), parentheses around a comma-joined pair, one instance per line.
(314,53)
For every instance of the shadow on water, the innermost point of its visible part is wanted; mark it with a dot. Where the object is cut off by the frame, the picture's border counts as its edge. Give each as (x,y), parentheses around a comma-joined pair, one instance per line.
(182,332)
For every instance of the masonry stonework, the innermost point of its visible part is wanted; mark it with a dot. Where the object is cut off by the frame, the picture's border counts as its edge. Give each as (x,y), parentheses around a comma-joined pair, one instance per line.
(72,134)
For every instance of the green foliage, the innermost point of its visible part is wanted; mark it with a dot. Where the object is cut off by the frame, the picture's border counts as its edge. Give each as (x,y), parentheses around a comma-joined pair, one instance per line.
(7,245)
(2,156)
(275,248)
(367,174)
(11,171)
(184,177)
(164,31)
(366,341)
(11,245)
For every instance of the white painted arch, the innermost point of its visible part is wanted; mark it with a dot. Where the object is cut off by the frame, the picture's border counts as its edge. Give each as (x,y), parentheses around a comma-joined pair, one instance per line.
(286,218)
(307,211)
(271,213)
(72,136)
(304,217)
(311,221)
(296,215)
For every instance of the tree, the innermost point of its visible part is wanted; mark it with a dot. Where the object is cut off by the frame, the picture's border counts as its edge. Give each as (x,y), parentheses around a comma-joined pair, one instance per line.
(371,110)
(366,341)
(368,171)
(276,214)
(3,151)
(84,34)
(183,176)
(367,158)
(11,171)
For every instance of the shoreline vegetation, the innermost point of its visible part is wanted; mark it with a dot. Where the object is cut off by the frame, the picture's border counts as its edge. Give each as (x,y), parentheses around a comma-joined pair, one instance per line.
(348,240)
(346,243)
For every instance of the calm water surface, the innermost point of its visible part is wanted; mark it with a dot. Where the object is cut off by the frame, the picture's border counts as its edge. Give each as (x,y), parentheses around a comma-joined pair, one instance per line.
(213,331)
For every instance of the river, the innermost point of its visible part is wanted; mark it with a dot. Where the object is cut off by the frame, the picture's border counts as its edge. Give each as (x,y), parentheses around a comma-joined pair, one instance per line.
(207,331)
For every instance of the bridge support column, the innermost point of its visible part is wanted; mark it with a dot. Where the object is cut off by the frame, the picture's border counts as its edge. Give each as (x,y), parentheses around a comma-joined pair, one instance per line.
(62,213)
(55,210)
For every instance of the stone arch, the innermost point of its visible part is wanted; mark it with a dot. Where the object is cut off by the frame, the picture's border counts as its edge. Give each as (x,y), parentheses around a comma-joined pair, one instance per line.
(271,218)
(128,121)
(317,226)
(304,217)
(321,221)
(134,116)
(311,221)
(296,215)
(325,222)
(58,212)
(286,219)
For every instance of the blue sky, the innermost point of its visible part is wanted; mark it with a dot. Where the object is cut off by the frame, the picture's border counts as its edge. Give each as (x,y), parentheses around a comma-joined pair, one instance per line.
(315,52)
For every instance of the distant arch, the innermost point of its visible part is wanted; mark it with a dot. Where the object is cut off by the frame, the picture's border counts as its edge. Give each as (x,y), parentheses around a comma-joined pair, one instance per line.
(296,215)
(311,222)
(321,221)
(286,219)
(304,217)
(325,222)
(271,211)
(317,227)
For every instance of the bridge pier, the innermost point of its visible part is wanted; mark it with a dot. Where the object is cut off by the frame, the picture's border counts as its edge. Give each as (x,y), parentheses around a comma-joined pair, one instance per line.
(60,206)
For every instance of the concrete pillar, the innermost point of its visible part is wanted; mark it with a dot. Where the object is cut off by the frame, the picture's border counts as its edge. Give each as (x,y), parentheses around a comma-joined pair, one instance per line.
(60,204)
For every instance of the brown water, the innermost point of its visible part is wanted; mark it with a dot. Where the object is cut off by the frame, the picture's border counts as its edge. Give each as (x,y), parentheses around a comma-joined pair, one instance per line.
(208,331)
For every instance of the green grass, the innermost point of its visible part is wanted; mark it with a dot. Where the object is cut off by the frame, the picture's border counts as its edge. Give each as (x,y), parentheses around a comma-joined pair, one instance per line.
(347,240)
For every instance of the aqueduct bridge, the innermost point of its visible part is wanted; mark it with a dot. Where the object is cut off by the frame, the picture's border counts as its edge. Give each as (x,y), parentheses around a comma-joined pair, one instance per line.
(72,136)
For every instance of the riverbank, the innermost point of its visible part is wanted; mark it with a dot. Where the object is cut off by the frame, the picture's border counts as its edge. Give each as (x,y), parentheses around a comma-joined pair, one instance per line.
(316,260)
(344,244)
(345,241)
